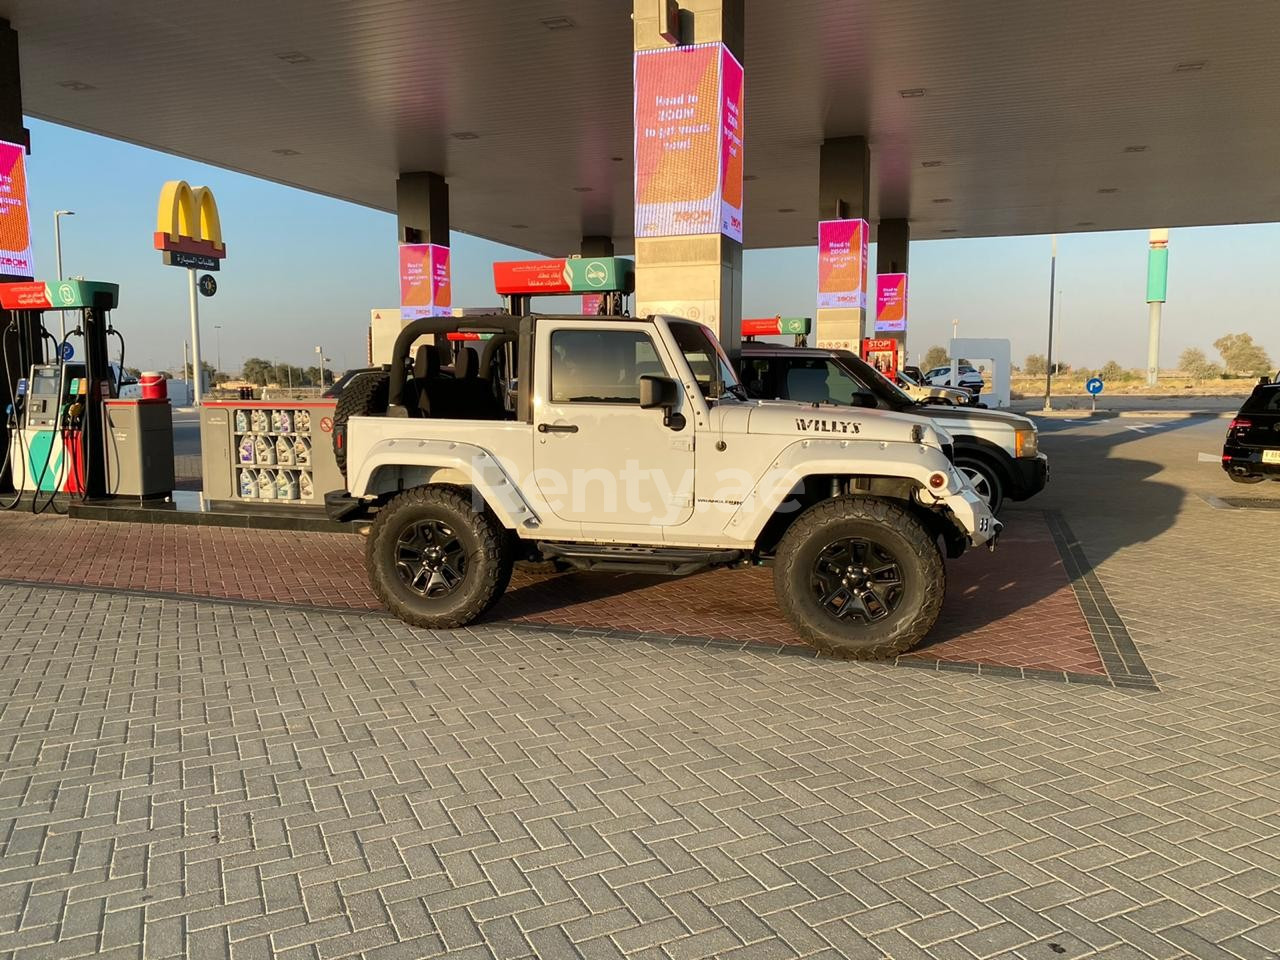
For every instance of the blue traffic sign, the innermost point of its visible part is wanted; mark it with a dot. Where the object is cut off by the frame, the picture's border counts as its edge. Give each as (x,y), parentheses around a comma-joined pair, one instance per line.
(1094,386)
(66,351)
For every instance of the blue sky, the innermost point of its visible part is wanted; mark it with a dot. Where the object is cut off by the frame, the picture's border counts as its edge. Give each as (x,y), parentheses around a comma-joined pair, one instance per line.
(304,270)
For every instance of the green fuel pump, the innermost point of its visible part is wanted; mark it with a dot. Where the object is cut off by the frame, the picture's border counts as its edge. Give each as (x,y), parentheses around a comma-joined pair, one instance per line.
(53,437)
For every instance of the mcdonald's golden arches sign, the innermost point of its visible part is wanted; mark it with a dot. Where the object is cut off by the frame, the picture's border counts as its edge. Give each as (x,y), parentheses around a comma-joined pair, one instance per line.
(188,230)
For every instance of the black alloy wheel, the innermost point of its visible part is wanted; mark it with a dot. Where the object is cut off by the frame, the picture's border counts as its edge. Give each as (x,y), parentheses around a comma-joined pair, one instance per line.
(430,559)
(857,578)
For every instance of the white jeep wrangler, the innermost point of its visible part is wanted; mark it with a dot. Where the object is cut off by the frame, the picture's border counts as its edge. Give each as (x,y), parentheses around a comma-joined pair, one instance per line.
(622,444)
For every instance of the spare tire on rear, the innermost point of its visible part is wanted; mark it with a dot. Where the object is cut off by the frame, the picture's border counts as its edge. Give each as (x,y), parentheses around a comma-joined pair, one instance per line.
(365,395)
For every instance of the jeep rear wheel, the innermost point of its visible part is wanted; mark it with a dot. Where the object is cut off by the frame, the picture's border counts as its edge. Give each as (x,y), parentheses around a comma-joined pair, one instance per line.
(860,578)
(434,561)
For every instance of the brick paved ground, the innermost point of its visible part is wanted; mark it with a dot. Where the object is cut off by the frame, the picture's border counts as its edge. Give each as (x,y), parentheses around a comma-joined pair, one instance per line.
(213,779)
(1014,608)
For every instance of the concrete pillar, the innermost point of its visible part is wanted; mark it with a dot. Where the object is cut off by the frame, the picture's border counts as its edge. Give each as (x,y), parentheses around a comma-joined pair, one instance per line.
(844,179)
(422,208)
(697,276)
(844,193)
(893,246)
(596,247)
(893,249)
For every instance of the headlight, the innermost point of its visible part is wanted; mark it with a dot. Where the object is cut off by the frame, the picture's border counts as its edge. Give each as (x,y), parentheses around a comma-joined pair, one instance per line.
(1024,443)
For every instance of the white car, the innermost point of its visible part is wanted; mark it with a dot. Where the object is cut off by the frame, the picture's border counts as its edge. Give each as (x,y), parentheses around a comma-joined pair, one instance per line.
(629,444)
(966,377)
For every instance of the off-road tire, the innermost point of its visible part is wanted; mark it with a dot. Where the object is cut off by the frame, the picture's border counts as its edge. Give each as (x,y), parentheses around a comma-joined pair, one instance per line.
(1246,479)
(882,522)
(364,396)
(485,544)
(990,475)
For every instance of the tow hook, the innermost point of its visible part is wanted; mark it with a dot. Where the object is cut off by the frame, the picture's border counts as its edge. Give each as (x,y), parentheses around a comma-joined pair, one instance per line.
(997,526)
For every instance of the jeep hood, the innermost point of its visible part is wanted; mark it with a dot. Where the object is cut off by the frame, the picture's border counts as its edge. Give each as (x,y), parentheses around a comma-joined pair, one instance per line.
(785,418)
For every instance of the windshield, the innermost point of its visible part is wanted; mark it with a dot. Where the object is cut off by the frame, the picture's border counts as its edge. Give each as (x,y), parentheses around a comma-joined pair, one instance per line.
(711,368)
(875,381)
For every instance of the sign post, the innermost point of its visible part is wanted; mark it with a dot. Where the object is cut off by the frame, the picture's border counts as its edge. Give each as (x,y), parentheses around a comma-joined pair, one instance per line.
(1094,386)
(1157,287)
(189,234)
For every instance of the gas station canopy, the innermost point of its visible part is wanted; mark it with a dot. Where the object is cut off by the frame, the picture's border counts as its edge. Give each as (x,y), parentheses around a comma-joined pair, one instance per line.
(984,119)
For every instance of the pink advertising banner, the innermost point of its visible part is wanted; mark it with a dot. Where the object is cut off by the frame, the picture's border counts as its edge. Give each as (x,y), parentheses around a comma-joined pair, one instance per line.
(15,220)
(731,83)
(891,302)
(687,116)
(842,264)
(425,289)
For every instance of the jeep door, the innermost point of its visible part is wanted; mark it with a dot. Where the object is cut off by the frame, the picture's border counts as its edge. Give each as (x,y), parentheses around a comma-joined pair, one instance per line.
(599,458)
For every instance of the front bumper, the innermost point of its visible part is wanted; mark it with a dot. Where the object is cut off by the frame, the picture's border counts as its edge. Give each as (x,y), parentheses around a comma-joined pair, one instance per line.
(971,513)
(1030,474)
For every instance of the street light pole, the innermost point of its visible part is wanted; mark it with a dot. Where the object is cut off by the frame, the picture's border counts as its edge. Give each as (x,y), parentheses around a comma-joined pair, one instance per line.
(1053,281)
(320,354)
(217,340)
(57,258)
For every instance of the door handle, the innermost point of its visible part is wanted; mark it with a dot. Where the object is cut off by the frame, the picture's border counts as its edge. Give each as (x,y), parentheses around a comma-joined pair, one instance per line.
(557,428)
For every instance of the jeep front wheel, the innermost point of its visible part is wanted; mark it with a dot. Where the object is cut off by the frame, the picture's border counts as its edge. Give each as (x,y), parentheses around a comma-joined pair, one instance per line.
(434,561)
(860,578)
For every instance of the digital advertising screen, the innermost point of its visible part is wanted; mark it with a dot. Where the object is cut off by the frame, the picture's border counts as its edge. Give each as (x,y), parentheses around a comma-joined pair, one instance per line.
(731,83)
(842,264)
(891,302)
(425,290)
(15,220)
(688,141)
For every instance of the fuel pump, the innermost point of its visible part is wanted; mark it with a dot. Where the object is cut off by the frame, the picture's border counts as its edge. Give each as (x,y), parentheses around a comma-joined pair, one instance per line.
(55,425)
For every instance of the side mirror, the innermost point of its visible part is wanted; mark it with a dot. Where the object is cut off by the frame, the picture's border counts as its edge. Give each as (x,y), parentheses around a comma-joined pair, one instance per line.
(860,398)
(657,392)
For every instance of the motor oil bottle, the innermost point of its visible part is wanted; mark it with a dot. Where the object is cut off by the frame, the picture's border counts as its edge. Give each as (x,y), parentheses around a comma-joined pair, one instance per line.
(302,421)
(248,484)
(264,451)
(284,452)
(286,485)
(242,421)
(260,422)
(286,421)
(302,451)
(305,488)
(247,448)
(266,485)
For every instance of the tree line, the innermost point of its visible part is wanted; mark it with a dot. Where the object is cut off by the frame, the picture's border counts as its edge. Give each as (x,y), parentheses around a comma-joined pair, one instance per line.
(1241,355)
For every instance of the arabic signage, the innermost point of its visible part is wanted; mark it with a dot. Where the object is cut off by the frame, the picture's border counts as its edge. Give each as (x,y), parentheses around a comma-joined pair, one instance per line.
(842,264)
(15,220)
(688,141)
(425,288)
(560,275)
(38,295)
(891,302)
(776,326)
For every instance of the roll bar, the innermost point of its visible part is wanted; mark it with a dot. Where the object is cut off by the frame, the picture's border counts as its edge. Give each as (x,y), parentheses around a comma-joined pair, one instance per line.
(499,323)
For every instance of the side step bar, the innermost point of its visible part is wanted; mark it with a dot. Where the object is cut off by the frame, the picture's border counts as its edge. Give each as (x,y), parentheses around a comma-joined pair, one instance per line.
(668,561)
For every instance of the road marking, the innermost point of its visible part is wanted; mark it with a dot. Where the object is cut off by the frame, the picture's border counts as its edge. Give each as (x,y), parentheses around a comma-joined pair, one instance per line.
(1208,458)
(1216,502)
(1140,427)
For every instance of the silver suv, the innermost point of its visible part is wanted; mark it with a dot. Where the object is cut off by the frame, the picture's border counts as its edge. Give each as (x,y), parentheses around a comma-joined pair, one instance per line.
(997,451)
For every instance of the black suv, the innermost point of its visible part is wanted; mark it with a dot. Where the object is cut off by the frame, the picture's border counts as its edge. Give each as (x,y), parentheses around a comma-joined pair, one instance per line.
(1251,453)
